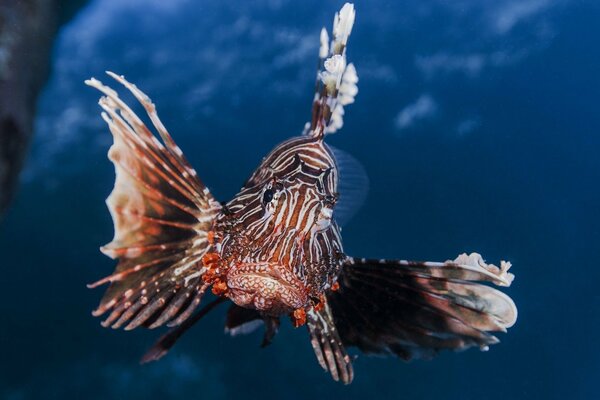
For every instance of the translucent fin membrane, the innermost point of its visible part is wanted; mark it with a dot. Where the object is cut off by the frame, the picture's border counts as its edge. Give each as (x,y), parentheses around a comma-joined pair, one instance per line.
(353,186)
(415,309)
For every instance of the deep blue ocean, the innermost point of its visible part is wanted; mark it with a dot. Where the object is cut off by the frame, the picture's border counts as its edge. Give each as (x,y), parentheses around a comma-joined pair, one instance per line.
(478,123)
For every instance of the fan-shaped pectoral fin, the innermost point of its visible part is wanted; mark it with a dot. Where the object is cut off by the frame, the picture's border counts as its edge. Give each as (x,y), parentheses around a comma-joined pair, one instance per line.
(163,215)
(414,309)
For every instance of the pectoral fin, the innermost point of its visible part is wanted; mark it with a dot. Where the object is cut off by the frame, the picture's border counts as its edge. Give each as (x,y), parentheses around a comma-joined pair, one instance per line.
(162,215)
(415,309)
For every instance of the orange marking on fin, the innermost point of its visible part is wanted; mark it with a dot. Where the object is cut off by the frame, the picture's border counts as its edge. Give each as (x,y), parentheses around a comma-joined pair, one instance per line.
(152,230)
(213,276)
(319,306)
(219,288)
(298,317)
(209,259)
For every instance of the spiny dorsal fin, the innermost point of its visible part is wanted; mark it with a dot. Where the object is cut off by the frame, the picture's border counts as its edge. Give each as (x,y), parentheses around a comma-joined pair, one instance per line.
(336,79)
(414,309)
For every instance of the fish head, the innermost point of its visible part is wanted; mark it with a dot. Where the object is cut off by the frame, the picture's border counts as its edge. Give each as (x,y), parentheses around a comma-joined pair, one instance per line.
(280,227)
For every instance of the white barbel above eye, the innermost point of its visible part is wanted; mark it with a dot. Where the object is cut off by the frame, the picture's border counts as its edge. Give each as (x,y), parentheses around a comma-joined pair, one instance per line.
(324,219)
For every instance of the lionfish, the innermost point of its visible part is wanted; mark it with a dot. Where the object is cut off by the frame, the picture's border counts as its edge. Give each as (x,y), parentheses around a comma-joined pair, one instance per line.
(275,249)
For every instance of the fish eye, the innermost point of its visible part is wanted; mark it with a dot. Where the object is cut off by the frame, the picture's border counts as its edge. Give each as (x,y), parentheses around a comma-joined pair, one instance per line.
(268,196)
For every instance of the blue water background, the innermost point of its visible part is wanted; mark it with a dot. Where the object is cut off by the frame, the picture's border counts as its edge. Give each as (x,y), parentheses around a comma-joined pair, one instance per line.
(478,123)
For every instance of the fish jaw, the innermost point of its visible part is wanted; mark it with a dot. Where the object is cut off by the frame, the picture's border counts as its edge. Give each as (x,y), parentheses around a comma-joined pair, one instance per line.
(266,287)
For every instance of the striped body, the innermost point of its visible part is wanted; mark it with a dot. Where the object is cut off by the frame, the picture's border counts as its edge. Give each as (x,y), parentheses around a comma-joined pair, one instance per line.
(277,244)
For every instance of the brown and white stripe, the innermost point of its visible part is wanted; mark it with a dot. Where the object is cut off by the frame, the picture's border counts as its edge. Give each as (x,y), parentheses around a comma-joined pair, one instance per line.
(295,228)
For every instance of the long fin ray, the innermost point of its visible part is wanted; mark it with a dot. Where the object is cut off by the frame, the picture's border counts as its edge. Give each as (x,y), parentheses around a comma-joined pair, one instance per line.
(133,129)
(174,152)
(162,215)
(414,309)
(327,345)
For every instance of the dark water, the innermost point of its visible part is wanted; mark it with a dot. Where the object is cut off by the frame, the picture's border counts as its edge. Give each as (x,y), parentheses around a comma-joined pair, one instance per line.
(477,121)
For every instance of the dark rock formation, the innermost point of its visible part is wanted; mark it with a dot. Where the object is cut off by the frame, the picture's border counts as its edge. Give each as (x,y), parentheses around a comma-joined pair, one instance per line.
(27,31)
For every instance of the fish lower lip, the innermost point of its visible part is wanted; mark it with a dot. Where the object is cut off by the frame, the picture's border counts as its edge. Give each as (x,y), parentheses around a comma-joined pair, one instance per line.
(269,273)
(264,292)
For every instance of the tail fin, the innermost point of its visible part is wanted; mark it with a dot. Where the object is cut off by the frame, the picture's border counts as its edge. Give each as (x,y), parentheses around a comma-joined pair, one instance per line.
(412,309)
(162,215)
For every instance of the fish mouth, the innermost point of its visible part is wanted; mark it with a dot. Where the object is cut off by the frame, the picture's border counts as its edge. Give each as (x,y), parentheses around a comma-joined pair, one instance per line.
(267,287)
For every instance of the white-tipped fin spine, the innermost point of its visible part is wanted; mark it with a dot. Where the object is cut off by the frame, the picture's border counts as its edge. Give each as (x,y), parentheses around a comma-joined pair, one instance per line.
(336,79)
